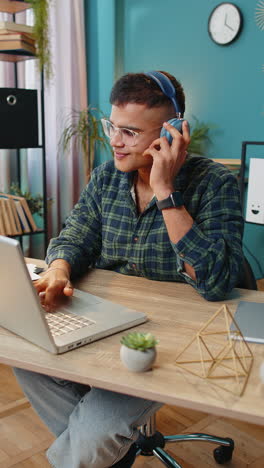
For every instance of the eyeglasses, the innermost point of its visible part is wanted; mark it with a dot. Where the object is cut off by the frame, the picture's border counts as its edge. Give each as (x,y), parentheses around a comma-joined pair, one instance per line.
(128,137)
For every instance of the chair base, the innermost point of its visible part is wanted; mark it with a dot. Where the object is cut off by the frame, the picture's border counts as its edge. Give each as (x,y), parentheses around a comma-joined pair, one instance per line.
(151,443)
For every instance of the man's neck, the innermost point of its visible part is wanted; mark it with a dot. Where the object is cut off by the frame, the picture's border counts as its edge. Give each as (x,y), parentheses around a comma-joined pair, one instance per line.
(142,176)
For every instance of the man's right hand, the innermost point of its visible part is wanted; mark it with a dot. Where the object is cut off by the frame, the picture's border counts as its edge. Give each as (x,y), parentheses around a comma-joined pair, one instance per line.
(54,285)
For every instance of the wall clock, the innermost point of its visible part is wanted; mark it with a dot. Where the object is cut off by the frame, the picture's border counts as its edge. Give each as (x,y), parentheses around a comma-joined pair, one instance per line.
(225,23)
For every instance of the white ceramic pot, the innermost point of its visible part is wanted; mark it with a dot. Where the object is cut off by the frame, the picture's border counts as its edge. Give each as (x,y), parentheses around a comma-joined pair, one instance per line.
(137,361)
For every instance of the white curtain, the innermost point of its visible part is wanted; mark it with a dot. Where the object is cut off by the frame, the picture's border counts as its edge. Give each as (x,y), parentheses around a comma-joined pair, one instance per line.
(66,91)
(6,80)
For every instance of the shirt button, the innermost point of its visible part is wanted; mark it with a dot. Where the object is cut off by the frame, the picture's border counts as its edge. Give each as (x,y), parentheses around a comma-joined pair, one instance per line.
(135,239)
(182,255)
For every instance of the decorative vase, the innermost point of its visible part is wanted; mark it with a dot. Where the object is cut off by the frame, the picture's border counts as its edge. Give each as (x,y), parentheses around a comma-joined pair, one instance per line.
(137,361)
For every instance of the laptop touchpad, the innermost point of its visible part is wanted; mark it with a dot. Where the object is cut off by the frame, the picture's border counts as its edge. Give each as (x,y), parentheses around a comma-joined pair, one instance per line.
(80,302)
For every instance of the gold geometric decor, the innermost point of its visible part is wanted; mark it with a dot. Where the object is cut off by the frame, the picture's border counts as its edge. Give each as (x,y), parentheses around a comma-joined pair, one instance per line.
(223,357)
(259,14)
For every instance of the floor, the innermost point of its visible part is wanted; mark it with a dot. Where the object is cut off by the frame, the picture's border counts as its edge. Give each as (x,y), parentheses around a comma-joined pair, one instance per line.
(24,439)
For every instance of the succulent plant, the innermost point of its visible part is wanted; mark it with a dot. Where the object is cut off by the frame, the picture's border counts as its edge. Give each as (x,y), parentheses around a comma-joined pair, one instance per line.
(139,341)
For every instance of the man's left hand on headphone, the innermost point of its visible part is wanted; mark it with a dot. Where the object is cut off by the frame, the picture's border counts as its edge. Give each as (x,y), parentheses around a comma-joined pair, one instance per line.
(168,159)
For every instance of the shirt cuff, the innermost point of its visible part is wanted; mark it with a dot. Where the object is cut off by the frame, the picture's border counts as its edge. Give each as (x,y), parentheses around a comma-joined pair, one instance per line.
(192,249)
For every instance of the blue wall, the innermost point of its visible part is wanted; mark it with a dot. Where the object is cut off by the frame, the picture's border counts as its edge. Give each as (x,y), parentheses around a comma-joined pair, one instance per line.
(224,86)
(100,39)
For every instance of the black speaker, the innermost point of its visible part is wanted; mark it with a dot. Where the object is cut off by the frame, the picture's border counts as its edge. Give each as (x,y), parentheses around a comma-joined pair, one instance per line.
(18,118)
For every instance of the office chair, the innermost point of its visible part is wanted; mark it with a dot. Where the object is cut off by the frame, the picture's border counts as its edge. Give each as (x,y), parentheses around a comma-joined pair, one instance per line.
(247,279)
(151,442)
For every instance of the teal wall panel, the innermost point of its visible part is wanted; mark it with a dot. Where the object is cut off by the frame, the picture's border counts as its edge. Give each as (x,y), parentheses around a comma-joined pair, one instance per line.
(224,85)
(100,45)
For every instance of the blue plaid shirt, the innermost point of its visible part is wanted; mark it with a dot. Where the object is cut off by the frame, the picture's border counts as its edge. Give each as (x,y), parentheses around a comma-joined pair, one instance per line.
(104,229)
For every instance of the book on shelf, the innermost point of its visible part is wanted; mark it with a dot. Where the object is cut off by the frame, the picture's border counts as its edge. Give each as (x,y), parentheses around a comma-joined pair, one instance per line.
(18,227)
(7,27)
(17,46)
(18,37)
(9,216)
(5,218)
(2,226)
(24,214)
(23,220)
(2,220)
(27,211)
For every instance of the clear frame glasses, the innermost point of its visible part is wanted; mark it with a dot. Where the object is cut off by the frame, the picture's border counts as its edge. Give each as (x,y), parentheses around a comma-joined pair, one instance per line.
(128,137)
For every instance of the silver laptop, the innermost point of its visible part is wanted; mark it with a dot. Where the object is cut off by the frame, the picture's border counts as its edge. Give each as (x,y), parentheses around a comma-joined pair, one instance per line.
(249,316)
(82,319)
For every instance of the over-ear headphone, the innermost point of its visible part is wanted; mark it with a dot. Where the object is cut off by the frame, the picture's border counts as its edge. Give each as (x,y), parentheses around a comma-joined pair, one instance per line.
(168,89)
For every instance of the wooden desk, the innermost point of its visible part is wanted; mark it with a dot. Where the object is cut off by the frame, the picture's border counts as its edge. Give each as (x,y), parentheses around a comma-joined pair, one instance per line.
(176,313)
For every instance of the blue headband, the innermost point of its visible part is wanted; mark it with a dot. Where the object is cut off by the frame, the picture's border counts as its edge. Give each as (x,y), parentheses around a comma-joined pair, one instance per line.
(166,87)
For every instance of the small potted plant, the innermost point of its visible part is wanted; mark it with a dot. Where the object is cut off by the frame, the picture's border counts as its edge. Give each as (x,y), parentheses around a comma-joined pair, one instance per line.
(138,351)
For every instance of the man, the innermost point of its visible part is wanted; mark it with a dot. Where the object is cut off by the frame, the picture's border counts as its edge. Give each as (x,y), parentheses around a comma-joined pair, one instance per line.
(153,211)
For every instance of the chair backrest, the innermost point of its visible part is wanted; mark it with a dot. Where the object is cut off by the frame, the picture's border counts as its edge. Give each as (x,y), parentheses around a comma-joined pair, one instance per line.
(247,279)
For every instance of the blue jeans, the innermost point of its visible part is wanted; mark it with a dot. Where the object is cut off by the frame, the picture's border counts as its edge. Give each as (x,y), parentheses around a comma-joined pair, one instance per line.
(94,428)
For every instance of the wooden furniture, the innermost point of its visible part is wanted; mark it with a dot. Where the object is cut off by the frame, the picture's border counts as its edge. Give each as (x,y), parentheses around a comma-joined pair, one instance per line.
(212,354)
(14,55)
(231,164)
(8,6)
(175,312)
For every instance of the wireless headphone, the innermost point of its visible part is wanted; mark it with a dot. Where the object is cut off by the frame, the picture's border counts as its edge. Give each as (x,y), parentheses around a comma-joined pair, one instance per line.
(168,89)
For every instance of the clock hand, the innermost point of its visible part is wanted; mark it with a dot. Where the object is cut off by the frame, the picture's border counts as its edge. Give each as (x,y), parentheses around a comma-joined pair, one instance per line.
(229,27)
(226,24)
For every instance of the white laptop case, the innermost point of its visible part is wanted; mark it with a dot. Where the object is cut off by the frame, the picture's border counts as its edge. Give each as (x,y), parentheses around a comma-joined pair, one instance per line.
(22,313)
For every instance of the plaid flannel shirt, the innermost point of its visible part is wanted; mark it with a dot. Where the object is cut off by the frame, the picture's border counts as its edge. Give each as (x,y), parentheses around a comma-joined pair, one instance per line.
(105,231)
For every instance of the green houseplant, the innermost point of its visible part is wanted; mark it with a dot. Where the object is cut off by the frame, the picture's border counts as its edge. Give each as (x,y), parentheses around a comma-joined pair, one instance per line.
(138,351)
(42,34)
(84,129)
(200,138)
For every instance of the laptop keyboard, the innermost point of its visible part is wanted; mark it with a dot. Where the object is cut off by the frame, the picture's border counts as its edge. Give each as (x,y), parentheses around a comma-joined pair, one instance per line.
(62,322)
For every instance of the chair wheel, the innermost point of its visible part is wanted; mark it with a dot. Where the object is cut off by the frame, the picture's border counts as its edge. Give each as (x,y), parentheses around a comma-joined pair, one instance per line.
(223,454)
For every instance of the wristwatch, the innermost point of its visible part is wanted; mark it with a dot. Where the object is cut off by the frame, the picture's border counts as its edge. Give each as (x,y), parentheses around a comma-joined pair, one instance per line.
(174,200)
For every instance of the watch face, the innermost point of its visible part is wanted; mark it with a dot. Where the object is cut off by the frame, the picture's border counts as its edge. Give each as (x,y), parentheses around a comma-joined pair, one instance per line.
(225,23)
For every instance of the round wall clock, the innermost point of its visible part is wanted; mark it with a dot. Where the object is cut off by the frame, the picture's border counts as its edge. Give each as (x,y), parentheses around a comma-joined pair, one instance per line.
(225,23)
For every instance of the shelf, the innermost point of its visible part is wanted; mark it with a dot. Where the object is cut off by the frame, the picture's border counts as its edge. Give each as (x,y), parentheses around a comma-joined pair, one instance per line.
(7,57)
(9,6)
(32,233)
(17,44)
(231,164)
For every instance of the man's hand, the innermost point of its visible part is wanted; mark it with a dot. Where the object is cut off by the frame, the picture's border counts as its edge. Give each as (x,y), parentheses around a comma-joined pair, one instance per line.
(167,162)
(167,159)
(54,285)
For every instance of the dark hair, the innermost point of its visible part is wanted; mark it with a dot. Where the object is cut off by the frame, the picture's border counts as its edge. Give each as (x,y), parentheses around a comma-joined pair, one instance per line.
(139,88)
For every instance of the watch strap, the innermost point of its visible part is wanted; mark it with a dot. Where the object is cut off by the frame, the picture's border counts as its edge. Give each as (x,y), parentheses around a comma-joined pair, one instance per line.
(174,200)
